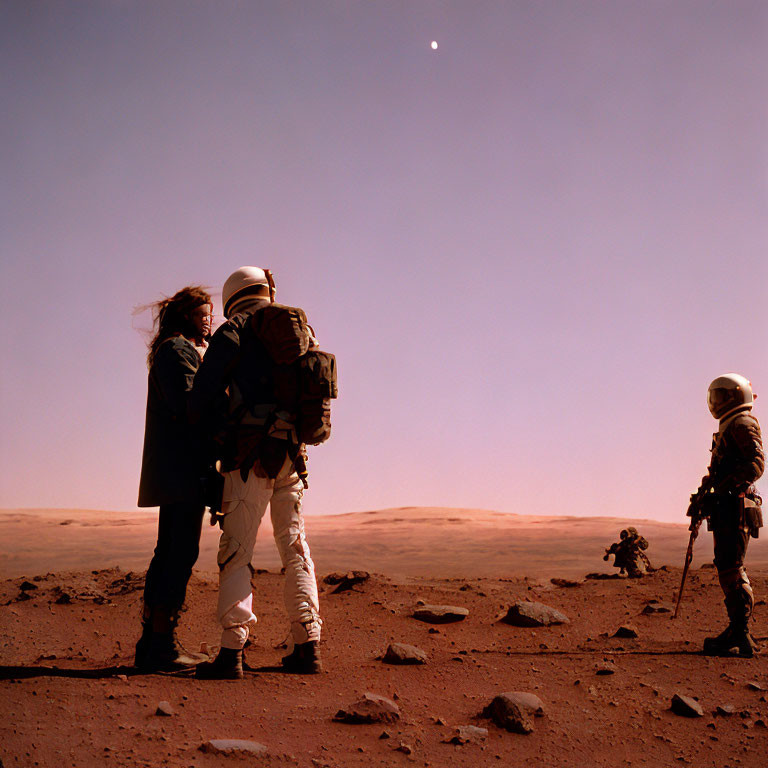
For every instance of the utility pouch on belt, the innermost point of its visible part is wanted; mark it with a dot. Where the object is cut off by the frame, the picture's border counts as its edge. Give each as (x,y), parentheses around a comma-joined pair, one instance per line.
(752,515)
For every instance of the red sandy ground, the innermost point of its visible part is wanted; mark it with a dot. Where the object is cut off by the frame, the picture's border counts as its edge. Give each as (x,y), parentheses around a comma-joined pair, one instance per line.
(478,560)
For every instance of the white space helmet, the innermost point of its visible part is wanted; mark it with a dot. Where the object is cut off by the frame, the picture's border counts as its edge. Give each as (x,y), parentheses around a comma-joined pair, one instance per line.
(729,393)
(247,281)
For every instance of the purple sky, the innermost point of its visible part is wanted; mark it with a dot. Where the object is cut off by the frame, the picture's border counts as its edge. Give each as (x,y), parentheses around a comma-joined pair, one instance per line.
(530,250)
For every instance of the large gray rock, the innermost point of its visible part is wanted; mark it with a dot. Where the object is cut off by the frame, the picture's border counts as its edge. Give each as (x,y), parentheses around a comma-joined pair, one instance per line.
(531,614)
(686,706)
(371,708)
(515,711)
(402,653)
(440,614)
(233,747)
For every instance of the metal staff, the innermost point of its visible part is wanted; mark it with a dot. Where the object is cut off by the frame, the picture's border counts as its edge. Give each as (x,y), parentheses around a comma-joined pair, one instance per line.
(695,525)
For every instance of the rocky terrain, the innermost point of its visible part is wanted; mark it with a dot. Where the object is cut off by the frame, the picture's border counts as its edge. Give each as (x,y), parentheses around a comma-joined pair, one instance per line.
(416,668)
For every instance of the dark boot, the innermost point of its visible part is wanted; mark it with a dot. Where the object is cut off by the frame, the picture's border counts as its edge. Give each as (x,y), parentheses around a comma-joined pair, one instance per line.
(736,639)
(720,645)
(141,658)
(733,641)
(228,665)
(158,650)
(304,659)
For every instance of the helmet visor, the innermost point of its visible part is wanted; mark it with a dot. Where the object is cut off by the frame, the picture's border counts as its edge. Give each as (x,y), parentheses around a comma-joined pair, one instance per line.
(718,400)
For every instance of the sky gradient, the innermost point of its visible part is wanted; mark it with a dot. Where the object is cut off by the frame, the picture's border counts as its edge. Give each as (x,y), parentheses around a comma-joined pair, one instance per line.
(530,249)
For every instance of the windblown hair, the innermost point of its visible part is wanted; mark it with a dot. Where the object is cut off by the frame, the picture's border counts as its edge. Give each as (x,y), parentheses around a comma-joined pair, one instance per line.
(170,316)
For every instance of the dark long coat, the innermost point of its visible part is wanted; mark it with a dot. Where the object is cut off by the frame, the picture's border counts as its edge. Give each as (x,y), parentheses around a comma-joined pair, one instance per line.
(174,457)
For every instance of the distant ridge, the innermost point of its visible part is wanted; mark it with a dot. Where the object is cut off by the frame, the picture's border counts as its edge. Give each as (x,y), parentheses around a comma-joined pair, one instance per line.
(407,541)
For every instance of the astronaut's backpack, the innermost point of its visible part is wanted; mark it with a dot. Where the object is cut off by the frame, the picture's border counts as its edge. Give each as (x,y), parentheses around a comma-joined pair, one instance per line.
(304,377)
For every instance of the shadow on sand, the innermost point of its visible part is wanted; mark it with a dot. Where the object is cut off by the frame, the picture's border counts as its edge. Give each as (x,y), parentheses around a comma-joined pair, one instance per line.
(9,672)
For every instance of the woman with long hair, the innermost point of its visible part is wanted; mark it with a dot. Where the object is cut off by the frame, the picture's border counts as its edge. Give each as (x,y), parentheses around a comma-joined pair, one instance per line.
(173,463)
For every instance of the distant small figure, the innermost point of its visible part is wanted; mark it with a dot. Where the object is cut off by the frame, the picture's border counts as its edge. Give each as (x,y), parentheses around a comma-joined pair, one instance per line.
(629,554)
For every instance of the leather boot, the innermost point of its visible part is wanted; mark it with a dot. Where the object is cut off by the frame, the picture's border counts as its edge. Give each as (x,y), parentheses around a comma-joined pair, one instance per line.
(304,659)
(733,641)
(158,649)
(228,665)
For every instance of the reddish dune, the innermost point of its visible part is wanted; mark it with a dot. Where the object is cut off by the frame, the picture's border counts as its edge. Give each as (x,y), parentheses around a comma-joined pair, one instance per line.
(412,541)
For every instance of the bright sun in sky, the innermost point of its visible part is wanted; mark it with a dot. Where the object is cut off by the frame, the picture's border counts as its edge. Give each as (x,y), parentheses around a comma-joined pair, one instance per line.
(433,45)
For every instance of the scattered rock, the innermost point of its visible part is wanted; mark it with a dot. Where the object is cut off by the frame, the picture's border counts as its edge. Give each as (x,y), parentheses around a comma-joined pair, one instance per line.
(339,578)
(126,584)
(605,669)
(234,747)
(725,710)
(27,585)
(626,630)
(64,598)
(686,706)
(22,596)
(706,566)
(346,581)
(440,614)
(602,576)
(384,735)
(467,734)
(530,702)
(753,685)
(565,583)
(371,708)
(164,709)
(508,715)
(515,711)
(402,653)
(406,749)
(654,606)
(532,614)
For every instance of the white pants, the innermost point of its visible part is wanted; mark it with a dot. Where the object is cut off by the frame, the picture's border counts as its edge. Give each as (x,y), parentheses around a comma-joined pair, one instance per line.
(244,504)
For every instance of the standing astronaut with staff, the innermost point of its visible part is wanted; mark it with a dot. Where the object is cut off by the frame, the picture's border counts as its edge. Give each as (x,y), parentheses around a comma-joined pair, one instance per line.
(728,500)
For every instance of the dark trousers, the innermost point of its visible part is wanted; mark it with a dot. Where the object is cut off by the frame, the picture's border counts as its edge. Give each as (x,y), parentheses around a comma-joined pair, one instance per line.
(730,537)
(178,545)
